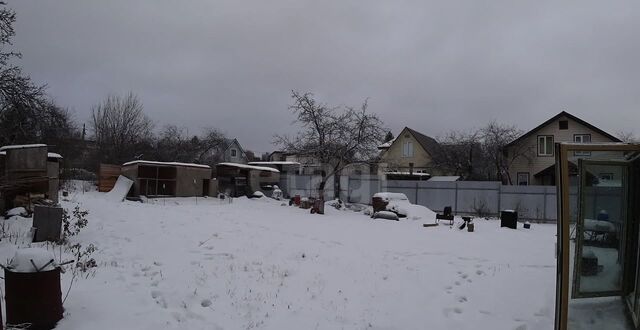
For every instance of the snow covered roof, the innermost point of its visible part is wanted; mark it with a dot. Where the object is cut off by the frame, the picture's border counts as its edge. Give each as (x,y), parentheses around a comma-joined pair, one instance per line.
(149,162)
(387,196)
(445,178)
(408,173)
(274,163)
(386,144)
(22,146)
(251,167)
(53,155)
(49,155)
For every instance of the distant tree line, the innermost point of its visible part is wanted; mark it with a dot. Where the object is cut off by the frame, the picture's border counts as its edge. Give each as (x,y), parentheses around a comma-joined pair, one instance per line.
(123,132)
(478,154)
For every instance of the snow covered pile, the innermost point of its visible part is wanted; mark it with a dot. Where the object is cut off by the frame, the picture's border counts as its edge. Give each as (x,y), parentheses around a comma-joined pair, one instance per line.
(27,259)
(257,194)
(400,204)
(17,211)
(389,196)
(277,193)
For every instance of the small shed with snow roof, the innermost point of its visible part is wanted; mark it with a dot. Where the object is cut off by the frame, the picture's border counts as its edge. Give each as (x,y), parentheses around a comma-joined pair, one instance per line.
(243,180)
(169,179)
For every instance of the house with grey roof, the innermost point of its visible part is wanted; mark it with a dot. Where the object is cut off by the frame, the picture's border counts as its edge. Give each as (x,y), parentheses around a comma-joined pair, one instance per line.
(411,155)
(530,158)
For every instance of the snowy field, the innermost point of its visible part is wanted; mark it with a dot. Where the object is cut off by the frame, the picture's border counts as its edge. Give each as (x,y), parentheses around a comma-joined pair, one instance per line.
(254,264)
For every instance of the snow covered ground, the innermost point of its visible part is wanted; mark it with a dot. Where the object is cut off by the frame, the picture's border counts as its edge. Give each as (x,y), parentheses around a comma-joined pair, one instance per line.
(206,264)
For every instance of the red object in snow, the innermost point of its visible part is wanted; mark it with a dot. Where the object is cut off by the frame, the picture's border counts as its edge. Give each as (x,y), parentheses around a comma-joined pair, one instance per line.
(296,200)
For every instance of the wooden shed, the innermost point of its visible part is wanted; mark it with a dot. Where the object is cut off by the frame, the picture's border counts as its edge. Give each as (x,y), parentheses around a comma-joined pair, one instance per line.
(168,179)
(243,180)
(28,171)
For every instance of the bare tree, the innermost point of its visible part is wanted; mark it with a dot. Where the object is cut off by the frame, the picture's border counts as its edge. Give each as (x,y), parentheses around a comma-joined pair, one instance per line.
(495,137)
(27,115)
(175,144)
(335,137)
(212,145)
(460,153)
(120,128)
(627,136)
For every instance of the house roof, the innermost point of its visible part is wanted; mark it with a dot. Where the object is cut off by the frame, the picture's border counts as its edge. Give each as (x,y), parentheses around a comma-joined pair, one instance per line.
(250,167)
(275,162)
(49,155)
(22,146)
(387,144)
(429,144)
(230,142)
(445,178)
(562,114)
(149,162)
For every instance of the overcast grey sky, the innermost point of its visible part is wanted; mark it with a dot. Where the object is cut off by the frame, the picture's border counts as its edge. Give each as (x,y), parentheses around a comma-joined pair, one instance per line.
(428,65)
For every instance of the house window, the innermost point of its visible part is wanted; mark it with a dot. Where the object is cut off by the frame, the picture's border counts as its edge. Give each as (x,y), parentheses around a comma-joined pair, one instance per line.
(234,153)
(407,149)
(545,145)
(582,138)
(523,178)
(563,124)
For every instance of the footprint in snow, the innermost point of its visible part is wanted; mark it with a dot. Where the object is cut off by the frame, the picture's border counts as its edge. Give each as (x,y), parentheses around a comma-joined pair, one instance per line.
(448,311)
(159,298)
(205,303)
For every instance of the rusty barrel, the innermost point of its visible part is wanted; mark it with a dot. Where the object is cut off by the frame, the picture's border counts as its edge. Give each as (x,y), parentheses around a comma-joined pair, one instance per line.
(33,298)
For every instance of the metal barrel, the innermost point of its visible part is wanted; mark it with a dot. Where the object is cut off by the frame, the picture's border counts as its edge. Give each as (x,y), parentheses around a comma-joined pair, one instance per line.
(33,298)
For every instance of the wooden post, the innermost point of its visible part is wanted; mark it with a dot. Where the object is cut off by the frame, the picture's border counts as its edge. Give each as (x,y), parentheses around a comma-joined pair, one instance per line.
(455,203)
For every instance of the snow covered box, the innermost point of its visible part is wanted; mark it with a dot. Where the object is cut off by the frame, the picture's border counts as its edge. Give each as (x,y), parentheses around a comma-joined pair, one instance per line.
(32,290)
(168,179)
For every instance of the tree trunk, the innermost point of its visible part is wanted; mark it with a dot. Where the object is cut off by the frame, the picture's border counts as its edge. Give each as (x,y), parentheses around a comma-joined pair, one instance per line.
(321,188)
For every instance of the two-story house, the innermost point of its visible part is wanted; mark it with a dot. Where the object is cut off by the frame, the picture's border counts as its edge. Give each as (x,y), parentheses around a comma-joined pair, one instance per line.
(409,156)
(530,158)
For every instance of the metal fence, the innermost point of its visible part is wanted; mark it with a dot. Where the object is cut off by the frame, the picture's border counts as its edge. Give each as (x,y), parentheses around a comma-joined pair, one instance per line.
(486,198)
(465,197)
